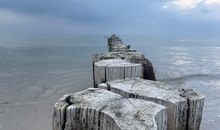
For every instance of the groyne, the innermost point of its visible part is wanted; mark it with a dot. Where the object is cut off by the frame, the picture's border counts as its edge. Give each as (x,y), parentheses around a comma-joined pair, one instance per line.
(126,96)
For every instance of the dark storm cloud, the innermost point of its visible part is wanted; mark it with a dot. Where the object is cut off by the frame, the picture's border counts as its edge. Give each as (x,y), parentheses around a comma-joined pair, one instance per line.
(107,16)
(56,8)
(82,10)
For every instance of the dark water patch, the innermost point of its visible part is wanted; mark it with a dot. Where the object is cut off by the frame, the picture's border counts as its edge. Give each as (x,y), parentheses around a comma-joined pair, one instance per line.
(4,103)
(193,77)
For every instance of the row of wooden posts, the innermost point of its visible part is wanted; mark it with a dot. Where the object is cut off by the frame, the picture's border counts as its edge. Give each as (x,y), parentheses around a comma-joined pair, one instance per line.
(126,96)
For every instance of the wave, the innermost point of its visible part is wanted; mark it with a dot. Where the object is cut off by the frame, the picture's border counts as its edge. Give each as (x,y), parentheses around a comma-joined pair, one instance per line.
(194,77)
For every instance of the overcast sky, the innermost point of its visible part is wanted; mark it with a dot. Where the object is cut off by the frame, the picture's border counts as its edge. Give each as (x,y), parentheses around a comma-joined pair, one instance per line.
(41,17)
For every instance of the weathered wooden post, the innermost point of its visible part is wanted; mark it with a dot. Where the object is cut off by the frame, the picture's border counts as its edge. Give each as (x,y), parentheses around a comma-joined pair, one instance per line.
(99,109)
(184,106)
(195,103)
(112,69)
(133,57)
(115,44)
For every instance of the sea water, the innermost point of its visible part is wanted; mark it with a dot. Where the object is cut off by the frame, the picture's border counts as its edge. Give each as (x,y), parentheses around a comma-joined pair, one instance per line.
(36,72)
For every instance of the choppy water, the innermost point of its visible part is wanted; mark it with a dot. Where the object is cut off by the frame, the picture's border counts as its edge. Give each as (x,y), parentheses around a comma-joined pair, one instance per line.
(35,73)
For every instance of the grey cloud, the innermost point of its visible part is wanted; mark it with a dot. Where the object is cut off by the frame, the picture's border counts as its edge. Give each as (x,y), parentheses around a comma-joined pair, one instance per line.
(104,16)
(96,10)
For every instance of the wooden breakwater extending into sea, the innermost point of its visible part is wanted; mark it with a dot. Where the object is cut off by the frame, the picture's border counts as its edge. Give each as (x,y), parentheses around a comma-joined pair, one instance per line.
(126,96)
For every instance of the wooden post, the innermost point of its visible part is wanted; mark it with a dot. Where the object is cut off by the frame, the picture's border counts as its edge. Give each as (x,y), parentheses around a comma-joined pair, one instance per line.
(99,109)
(115,44)
(195,108)
(184,107)
(59,113)
(117,55)
(133,57)
(112,69)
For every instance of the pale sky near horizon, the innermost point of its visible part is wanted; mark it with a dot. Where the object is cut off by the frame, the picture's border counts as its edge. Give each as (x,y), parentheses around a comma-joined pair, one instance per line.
(156,17)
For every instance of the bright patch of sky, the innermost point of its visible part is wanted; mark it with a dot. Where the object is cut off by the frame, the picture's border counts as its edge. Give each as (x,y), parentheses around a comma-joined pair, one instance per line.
(191,4)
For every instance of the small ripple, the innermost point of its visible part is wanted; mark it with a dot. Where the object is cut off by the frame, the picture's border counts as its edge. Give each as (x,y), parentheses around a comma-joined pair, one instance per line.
(3,103)
(194,76)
